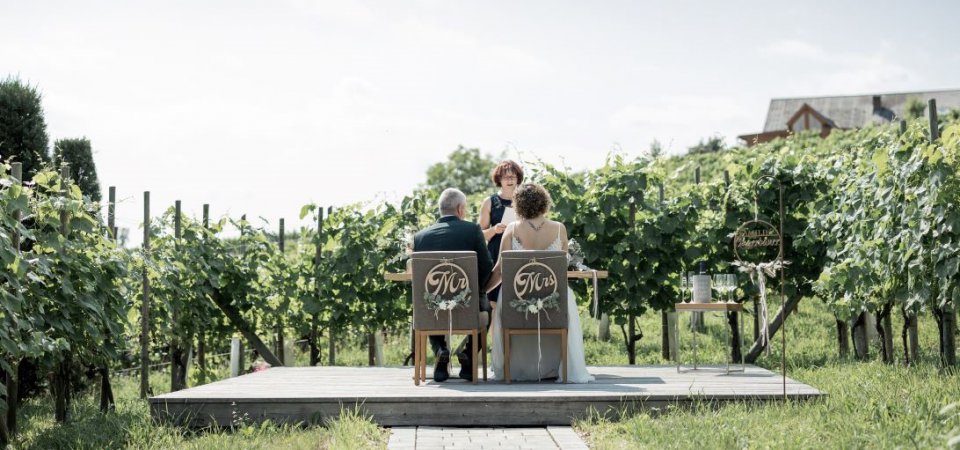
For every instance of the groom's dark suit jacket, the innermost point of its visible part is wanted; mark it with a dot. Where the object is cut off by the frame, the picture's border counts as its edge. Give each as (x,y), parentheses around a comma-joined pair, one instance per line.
(452,234)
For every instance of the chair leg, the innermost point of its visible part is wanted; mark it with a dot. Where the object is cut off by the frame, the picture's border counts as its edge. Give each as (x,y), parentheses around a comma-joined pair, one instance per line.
(483,350)
(473,359)
(563,354)
(506,356)
(423,357)
(416,358)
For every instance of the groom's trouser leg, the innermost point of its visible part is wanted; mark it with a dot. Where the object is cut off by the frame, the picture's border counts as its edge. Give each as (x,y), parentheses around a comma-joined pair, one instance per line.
(438,343)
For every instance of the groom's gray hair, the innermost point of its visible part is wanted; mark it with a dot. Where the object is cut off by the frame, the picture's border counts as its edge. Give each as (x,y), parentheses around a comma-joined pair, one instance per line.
(450,199)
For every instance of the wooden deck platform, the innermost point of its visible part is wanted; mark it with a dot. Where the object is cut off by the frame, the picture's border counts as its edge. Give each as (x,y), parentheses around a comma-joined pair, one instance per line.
(310,394)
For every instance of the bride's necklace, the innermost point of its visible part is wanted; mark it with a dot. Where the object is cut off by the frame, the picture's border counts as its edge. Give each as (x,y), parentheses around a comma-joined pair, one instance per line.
(536,227)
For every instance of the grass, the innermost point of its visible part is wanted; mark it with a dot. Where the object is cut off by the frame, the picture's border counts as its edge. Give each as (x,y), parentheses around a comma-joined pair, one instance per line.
(869,404)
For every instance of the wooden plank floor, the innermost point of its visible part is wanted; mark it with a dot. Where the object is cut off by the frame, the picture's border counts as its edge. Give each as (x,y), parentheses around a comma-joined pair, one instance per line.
(311,394)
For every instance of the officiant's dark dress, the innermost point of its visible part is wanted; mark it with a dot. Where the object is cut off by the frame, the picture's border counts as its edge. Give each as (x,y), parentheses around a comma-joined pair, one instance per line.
(497,207)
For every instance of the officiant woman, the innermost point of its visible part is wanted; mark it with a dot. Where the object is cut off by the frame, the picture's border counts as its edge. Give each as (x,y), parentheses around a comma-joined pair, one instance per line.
(506,176)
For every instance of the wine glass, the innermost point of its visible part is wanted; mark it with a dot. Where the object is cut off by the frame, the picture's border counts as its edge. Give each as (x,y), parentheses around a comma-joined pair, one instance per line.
(684,284)
(719,284)
(732,286)
(690,277)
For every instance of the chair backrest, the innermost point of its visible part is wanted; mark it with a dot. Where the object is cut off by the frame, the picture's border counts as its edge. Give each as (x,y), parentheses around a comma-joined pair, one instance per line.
(445,286)
(534,282)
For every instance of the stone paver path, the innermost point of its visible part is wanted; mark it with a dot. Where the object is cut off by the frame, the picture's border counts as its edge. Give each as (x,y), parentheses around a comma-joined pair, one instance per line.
(430,438)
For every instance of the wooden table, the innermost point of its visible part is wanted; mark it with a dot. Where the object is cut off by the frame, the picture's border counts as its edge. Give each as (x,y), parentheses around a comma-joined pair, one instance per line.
(581,274)
(707,307)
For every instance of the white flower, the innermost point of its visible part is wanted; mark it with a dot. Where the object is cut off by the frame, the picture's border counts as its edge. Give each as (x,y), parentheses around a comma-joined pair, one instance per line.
(540,304)
(533,308)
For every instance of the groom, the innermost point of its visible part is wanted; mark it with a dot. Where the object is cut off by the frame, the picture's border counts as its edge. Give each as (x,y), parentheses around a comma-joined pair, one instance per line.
(453,233)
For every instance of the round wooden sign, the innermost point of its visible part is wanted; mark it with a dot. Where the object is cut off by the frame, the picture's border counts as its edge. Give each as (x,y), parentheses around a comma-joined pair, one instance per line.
(757,240)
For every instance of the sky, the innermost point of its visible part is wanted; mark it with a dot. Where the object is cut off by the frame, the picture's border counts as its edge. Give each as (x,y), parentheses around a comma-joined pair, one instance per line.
(258,108)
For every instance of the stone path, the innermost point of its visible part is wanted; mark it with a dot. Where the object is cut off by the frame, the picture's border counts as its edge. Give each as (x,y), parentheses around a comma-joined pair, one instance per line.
(429,438)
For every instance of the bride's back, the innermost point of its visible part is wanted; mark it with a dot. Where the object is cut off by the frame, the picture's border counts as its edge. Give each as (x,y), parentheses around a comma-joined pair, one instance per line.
(532,239)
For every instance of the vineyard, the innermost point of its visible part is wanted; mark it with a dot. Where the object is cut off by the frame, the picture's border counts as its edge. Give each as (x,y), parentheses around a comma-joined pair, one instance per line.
(871,221)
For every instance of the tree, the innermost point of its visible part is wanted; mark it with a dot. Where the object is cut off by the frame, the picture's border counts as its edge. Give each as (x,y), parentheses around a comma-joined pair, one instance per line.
(711,145)
(656,149)
(465,169)
(77,153)
(914,108)
(23,132)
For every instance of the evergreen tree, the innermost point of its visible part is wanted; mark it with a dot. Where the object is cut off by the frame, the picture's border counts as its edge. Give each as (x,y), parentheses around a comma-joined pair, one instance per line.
(23,132)
(78,154)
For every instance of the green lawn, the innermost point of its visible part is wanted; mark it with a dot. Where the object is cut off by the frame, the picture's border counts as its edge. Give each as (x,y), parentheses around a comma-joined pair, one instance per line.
(869,404)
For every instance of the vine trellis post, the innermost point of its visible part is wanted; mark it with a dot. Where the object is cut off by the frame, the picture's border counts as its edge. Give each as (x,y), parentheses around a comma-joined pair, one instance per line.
(947,314)
(61,383)
(733,317)
(697,324)
(282,247)
(331,331)
(145,303)
(11,378)
(314,320)
(201,337)
(665,314)
(179,348)
(106,390)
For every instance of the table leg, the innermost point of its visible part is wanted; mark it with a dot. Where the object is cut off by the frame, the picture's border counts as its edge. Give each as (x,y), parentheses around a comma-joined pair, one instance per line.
(695,361)
(677,327)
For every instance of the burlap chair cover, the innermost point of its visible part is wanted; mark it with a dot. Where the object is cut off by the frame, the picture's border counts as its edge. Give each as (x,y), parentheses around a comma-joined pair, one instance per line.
(440,277)
(529,276)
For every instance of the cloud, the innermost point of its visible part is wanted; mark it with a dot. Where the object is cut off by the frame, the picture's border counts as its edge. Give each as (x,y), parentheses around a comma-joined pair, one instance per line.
(838,72)
(679,121)
(793,48)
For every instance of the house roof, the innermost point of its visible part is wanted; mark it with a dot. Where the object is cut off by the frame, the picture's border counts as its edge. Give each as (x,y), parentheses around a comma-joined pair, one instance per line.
(855,111)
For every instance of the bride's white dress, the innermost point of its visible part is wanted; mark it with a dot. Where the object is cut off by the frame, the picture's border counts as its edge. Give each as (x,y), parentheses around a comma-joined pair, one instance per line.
(524,365)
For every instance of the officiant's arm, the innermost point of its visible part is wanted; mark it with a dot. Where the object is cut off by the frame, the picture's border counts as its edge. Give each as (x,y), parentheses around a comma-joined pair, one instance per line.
(488,231)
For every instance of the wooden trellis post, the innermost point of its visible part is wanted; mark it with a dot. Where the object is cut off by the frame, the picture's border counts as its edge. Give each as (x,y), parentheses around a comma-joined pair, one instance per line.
(145,304)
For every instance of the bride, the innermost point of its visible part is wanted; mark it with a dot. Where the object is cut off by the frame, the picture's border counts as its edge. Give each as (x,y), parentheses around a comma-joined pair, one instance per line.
(535,232)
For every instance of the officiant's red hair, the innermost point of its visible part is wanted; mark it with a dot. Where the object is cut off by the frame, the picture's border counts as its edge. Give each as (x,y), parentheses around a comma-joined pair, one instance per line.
(506,166)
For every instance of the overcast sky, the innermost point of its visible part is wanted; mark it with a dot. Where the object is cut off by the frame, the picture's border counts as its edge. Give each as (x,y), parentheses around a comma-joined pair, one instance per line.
(261,107)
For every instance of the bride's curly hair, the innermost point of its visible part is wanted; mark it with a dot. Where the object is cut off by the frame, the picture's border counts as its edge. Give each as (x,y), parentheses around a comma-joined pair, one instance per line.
(531,200)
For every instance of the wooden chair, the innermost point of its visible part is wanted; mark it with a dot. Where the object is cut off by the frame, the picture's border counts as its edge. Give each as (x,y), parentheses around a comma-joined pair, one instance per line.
(440,277)
(529,276)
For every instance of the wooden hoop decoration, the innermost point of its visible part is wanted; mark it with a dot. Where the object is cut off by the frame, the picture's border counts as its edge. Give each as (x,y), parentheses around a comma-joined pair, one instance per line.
(520,271)
(450,289)
(742,240)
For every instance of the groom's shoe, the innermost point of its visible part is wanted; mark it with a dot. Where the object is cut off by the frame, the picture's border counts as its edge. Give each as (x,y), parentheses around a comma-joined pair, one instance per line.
(440,372)
(466,366)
